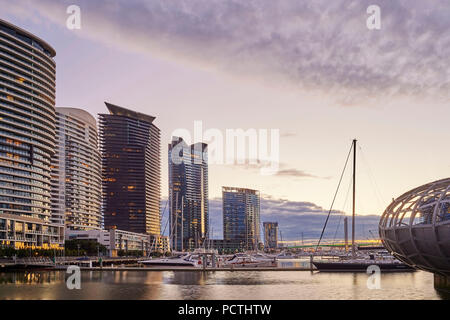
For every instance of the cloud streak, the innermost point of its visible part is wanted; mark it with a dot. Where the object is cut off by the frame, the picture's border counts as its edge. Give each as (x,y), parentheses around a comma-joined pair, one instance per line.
(284,169)
(318,46)
(295,173)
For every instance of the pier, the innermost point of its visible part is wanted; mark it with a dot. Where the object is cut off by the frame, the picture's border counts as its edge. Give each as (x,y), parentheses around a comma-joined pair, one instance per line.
(53,263)
(86,267)
(133,264)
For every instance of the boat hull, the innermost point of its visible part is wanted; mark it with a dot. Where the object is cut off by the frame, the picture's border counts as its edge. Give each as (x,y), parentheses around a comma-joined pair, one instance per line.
(249,264)
(168,264)
(361,267)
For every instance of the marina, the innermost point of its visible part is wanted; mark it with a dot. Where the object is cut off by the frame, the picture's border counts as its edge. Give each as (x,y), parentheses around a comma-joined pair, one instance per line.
(334,261)
(194,153)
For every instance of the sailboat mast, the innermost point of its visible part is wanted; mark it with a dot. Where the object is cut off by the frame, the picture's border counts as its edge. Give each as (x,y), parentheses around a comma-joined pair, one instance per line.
(182,223)
(354,199)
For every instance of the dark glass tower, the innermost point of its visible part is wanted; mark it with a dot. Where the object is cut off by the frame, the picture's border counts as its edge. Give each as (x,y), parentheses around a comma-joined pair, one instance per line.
(241,217)
(131,170)
(270,235)
(188,194)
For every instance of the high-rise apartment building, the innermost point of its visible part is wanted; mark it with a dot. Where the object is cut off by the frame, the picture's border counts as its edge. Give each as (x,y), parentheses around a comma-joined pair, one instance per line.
(270,235)
(188,194)
(27,140)
(131,170)
(76,171)
(241,217)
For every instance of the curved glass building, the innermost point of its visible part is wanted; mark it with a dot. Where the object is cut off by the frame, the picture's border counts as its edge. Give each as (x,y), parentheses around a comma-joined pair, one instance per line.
(415,227)
(27,139)
(76,171)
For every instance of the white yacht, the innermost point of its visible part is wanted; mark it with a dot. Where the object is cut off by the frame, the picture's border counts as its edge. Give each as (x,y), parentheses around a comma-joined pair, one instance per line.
(264,257)
(180,260)
(286,255)
(245,260)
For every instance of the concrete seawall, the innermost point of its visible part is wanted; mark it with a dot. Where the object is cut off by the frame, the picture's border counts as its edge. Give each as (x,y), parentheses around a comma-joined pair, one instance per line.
(189,269)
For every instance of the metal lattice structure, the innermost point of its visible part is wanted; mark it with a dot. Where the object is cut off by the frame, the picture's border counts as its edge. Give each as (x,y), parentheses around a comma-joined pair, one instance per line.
(415,227)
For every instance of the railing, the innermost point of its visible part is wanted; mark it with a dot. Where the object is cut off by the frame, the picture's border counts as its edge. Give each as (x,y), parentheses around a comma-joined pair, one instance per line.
(34,261)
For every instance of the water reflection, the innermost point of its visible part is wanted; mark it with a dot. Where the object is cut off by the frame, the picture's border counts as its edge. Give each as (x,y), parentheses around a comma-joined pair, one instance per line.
(31,277)
(187,278)
(234,285)
(293,263)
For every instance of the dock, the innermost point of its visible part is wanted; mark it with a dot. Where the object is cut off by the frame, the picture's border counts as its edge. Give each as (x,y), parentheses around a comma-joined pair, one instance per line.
(131,264)
(190,269)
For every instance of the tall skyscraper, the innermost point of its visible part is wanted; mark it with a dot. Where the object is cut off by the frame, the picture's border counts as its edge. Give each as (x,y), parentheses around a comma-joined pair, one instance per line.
(270,235)
(27,139)
(241,217)
(76,171)
(131,170)
(188,194)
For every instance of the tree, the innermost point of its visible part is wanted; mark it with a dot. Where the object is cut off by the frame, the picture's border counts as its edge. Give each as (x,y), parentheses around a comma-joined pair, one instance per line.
(86,246)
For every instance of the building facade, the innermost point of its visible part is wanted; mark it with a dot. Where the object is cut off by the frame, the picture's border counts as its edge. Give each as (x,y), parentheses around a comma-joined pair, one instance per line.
(227,246)
(270,235)
(76,171)
(188,194)
(120,241)
(116,241)
(131,171)
(241,217)
(27,140)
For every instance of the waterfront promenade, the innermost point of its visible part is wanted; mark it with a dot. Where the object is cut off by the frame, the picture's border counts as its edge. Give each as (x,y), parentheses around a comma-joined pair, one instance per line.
(152,269)
(132,264)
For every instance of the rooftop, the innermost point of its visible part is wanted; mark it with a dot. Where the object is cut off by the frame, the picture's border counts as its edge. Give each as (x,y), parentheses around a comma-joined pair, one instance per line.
(239,190)
(120,111)
(29,35)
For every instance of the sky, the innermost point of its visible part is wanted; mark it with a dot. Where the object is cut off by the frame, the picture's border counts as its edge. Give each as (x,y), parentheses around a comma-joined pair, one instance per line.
(311,69)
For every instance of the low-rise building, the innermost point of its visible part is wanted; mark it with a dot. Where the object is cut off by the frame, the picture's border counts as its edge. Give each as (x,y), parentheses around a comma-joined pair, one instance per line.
(228,246)
(29,233)
(116,241)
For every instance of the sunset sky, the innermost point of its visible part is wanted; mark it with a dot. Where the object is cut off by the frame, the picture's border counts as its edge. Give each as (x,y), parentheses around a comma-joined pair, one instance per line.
(311,69)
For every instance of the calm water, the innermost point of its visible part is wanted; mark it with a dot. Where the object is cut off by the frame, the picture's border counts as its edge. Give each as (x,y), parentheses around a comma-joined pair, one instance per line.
(215,285)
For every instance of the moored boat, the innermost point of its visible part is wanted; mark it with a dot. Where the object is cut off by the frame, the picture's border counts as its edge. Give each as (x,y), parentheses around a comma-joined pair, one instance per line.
(182,260)
(245,260)
(286,255)
(361,265)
